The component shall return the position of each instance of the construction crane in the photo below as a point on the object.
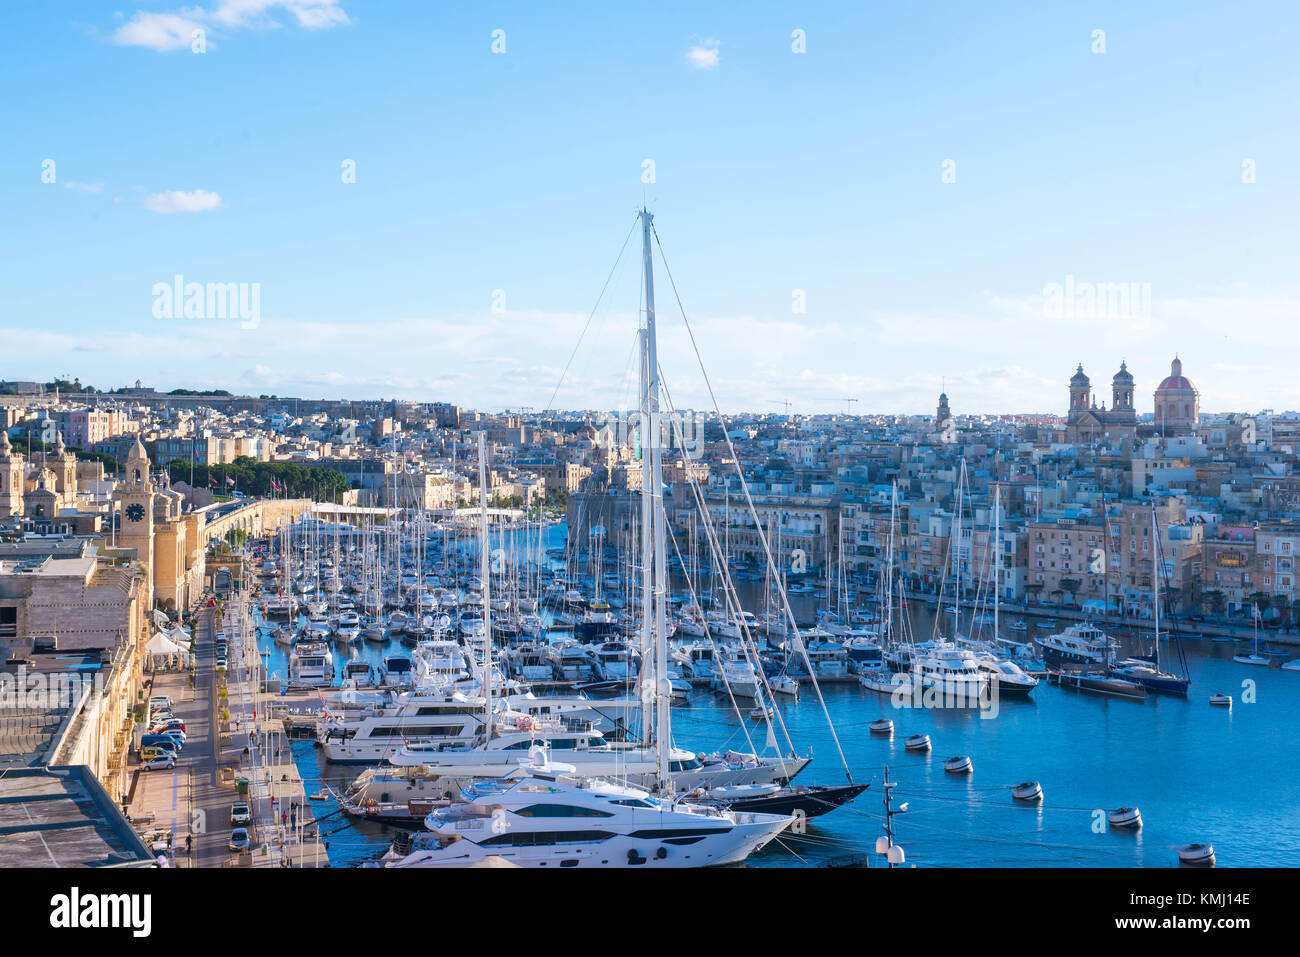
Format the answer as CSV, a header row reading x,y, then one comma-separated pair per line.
x,y
848,402
784,402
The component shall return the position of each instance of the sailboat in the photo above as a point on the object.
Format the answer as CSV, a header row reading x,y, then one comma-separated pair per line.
x,y
1146,671
528,815
650,761
1254,658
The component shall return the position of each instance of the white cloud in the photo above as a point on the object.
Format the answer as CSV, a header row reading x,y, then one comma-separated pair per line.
x,y
181,201
999,357
704,55
163,32
310,14
167,32
84,187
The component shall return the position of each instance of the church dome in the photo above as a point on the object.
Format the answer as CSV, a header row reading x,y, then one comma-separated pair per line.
x,y
1123,376
1175,381
1079,378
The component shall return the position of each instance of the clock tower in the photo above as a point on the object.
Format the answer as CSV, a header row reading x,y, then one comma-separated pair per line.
x,y
135,497
11,479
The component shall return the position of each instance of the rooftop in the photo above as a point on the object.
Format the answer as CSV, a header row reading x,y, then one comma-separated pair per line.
x,y
62,817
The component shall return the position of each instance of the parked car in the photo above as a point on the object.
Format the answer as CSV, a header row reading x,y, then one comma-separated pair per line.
x,y
149,752
166,725
239,839
221,662
160,700
240,814
164,762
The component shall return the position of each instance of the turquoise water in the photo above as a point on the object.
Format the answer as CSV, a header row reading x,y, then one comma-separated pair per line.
x,y
1198,773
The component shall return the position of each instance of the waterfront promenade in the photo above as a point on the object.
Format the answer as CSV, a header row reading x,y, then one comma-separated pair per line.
x,y
256,748
1180,623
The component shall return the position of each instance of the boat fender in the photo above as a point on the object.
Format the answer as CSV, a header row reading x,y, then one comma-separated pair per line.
x,y
661,853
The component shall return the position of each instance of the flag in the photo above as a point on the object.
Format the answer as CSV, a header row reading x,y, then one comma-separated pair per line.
x,y
229,481
212,480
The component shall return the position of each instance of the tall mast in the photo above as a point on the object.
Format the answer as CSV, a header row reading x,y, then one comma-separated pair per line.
x,y
485,574
997,556
1157,560
654,541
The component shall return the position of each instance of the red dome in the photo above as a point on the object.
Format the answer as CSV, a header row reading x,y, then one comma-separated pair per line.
x,y
1181,383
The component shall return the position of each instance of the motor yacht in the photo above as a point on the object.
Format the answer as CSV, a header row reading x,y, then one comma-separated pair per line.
x,y
543,815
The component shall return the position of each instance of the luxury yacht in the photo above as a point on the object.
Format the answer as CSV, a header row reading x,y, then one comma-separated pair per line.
x,y
951,671
1080,644
539,816
737,674
311,663
1005,675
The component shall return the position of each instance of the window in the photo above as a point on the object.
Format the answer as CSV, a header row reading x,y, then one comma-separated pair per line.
x,y
561,810
544,838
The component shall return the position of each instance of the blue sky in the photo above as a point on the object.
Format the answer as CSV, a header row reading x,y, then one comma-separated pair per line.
x,y
517,174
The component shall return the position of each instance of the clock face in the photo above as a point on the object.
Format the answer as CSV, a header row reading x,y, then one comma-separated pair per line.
x,y
135,512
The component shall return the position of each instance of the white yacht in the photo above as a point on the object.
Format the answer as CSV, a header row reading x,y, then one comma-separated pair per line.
x,y
373,735
736,674
282,606
952,672
580,745
311,663
697,660
539,816
1005,675
1082,643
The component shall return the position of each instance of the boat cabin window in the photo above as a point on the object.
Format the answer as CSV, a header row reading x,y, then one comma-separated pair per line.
x,y
417,730
561,810
541,838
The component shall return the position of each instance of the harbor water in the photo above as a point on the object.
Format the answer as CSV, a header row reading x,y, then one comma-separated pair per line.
x,y
1199,774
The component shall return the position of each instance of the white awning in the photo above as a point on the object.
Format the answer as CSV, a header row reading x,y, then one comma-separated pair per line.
x,y
162,645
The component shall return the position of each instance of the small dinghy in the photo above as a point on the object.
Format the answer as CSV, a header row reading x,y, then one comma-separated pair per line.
x,y
958,765
881,726
1027,791
1124,817
1292,665
917,742
318,796
1222,700
1201,855
759,712
1251,660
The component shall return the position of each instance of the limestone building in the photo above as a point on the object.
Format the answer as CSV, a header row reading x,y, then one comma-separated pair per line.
x,y
1086,424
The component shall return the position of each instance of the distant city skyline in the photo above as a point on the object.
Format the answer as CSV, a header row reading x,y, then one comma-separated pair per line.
x,y
872,204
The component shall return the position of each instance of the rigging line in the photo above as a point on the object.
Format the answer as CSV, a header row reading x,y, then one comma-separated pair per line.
x,y
592,314
728,588
767,551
